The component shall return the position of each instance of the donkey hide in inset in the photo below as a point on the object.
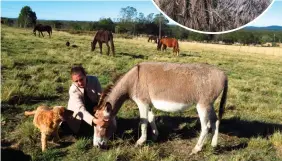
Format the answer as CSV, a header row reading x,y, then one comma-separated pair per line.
x,y
168,87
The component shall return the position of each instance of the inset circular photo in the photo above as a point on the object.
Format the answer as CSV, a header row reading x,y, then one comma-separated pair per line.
x,y
213,16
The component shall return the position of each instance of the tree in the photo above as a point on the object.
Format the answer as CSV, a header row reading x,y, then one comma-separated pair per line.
x,y
57,24
128,17
27,18
159,18
265,39
161,21
106,24
128,14
141,18
150,17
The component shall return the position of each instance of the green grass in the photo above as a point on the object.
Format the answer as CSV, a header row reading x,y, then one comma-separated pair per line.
x,y
35,71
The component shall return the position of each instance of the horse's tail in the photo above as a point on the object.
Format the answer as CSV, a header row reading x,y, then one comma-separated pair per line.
x,y
112,43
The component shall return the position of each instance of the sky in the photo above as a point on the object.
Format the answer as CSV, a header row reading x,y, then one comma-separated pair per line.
x,y
94,10
272,16
76,10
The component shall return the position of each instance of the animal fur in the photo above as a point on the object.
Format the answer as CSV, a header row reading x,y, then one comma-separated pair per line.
x,y
169,87
213,15
48,120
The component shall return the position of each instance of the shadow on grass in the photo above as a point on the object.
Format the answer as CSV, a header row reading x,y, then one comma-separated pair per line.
x,y
248,129
189,127
64,144
50,154
9,154
220,150
168,128
132,55
189,55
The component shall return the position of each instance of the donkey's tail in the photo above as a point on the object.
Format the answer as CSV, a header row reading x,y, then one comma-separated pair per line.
x,y
112,44
29,113
223,100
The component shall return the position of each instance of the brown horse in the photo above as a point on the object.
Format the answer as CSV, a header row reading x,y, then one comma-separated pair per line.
x,y
168,42
103,36
40,28
152,37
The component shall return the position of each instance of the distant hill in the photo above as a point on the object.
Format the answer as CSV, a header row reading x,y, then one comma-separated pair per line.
x,y
268,28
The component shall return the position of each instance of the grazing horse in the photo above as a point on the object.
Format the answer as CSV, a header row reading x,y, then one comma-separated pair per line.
x,y
103,36
40,28
168,42
153,38
169,87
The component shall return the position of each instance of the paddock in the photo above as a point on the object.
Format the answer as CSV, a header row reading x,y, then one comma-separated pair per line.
x,y
36,71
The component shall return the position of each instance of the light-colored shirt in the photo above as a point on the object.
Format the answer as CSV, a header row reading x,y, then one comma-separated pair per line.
x,y
76,101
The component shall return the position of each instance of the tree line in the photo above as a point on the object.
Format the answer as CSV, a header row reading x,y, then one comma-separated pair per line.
x,y
136,23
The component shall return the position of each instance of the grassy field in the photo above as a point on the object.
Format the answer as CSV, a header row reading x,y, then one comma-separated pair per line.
x,y
35,71
274,51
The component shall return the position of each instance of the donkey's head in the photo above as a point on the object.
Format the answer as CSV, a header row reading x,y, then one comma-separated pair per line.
x,y
105,127
105,122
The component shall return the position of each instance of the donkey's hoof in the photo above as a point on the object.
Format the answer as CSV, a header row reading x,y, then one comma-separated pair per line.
x,y
195,151
140,142
214,144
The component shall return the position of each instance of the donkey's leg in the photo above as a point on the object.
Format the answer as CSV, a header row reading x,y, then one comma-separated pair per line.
x,y
143,110
151,119
100,46
204,118
108,52
214,126
42,34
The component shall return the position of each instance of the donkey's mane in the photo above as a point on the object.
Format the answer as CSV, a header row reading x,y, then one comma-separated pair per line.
x,y
104,94
109,88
